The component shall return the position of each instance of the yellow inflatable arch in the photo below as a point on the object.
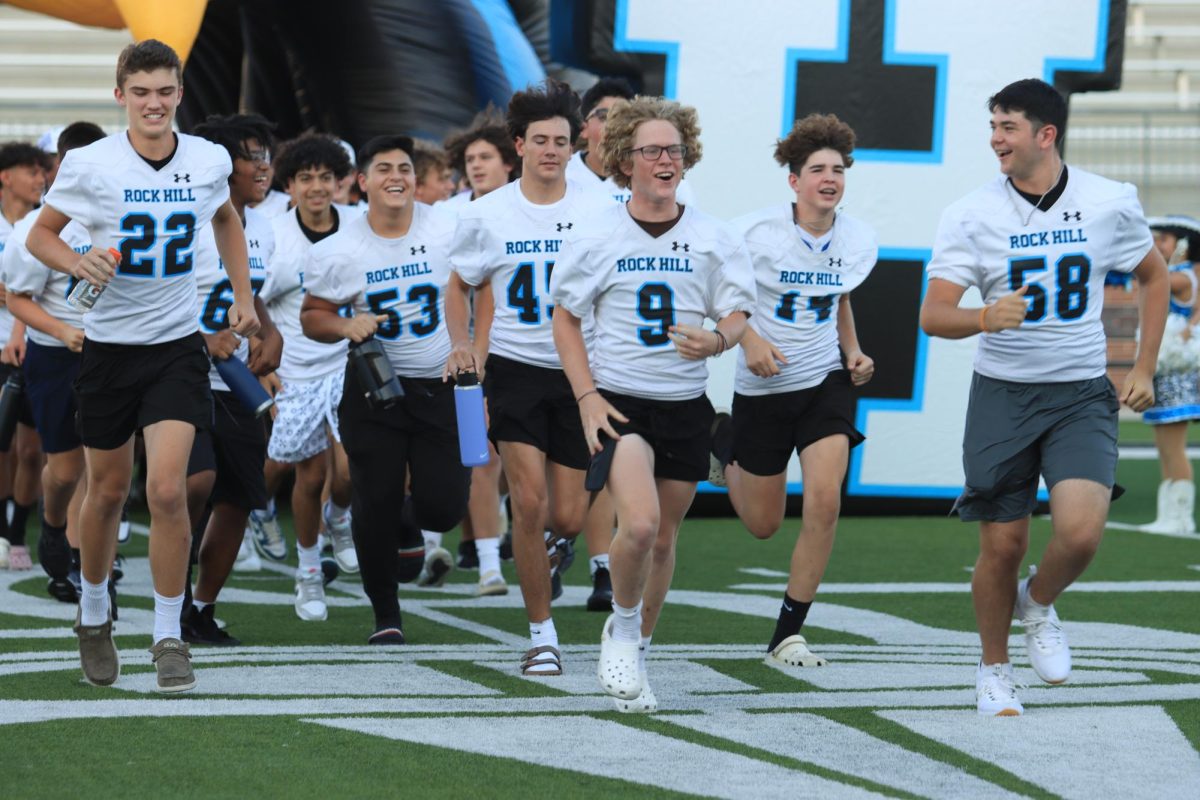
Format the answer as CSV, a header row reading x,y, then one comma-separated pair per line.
x,y
175,22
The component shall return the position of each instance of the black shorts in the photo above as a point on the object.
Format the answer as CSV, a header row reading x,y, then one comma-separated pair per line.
x,y
25,415
768,427
678,431
534,405
123,388
236,447
49,375
1016,431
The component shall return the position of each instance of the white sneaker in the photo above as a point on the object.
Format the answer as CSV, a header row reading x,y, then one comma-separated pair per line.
x,y
5,546
268,537
617,669
438,563
1049,653
646,702
491,583
247,557
310,596
123,529
343,541
996,691
793,651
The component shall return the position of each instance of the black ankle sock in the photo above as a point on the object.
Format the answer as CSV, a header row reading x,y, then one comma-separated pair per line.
x,y
16,528
791,620
75,562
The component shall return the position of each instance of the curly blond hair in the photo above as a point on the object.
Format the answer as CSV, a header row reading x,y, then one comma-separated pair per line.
x,y
623,120
815,132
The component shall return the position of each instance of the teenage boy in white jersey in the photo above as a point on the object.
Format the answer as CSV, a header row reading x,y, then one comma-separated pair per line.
x,y
22,184
587,166
37,296
145,192
484,155
652,271
391,266
1036,242
305,429
793,392
225,469
509,241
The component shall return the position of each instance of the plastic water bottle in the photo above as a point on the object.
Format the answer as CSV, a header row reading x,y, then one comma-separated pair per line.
x,y
10,407
472,427
244,385
84,295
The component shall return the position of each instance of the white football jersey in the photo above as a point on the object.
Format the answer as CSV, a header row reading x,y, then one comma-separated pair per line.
x,y
49,288
455,201
504,238
304,359
6,318
639,286
404,278
275,204
214,290
995,240
582,174
153,217
799,293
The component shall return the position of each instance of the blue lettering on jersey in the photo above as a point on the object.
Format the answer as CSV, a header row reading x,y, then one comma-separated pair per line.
x,y
802,278
524,246
394,273
654,264
1046,238
159,196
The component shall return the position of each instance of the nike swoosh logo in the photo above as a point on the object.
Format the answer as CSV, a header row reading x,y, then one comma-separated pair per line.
x,y
787,607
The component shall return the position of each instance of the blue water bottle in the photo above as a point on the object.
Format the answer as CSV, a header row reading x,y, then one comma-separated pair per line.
x,y
244,385
472,427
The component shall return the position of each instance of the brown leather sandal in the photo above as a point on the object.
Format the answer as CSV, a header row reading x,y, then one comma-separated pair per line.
x,y
538,656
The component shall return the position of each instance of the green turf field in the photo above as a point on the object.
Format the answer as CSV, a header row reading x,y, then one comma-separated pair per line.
x,y
308,710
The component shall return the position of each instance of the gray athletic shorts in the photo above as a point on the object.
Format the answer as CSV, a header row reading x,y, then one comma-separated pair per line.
x,y
1016,431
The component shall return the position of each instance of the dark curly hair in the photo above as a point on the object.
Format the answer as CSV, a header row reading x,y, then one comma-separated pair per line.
x,y
311,151
488,125
815,132
546,100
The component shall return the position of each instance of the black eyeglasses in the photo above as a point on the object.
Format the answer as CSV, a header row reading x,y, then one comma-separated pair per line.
x,y
651,152
599,113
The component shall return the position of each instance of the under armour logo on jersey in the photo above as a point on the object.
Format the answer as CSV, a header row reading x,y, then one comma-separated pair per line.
x,y
564,226
184,178
1072,215
677,246
416,250
253,244
835,262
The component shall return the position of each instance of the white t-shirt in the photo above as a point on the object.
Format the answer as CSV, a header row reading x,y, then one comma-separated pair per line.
x,y
581,173
153,217
404,278
800,284
995,240
214,290
49,288
304,359
504,238
639,286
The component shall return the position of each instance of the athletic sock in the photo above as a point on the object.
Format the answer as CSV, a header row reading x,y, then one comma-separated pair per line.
x,y
791,619
597,562
310,557
489,554
199,605
722,442
75,562
334,512
166,616
543,634
627,623
94,604
433,540
16,528
1034,609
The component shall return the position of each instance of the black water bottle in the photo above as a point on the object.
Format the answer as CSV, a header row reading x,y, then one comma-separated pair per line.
x,y
375,375
11,396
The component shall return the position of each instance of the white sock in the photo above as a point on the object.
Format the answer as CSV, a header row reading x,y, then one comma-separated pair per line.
x,y
310,557
627,623
166,617
543,633
433,540
333,511
643,646
199,605
596,562
94,605
489,554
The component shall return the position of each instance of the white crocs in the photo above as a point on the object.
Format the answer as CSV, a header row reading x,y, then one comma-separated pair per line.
x,y
793,651
646,702
617,669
